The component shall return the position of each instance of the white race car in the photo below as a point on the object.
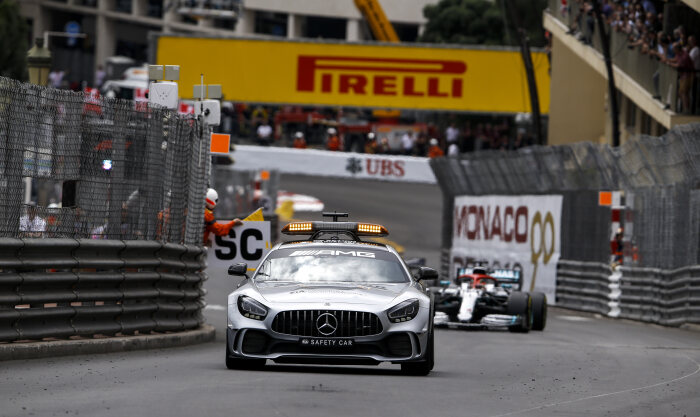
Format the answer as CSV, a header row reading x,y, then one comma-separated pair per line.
x,y
479,299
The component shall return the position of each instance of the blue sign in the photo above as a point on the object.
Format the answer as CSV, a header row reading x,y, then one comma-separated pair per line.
x,y
72,27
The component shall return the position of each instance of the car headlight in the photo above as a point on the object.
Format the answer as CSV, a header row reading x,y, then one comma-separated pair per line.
x,y
251,308
404,311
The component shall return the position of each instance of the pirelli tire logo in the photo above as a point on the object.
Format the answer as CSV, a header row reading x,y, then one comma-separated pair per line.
x,y
381,76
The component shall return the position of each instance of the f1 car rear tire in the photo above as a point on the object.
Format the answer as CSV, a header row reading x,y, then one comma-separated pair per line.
x,y
243,364
520,304
539,311
424,367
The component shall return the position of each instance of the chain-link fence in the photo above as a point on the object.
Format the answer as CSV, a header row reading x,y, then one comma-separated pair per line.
x,y
98,168
660,177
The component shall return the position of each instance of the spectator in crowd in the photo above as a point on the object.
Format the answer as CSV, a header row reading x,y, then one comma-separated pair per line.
x,y
333,141
383,147
435,151
264,133
299,141
451,134
100,75
371,143
31,225
694,52
685,68
453,150
407,142
56,78
421,148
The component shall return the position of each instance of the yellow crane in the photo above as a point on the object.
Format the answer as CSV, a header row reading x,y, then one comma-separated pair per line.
x,y
374,15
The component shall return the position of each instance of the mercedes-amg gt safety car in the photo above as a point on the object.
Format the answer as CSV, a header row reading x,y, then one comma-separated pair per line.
x,y
331,299
482,299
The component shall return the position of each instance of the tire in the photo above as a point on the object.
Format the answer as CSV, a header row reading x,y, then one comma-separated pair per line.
x,y
539,311
243,364
422,368
520,304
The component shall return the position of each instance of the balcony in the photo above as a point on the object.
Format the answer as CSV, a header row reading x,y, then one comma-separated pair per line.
x,y
219,9
660,81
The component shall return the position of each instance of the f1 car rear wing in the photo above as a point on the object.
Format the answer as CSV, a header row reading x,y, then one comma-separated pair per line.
x,y
507,278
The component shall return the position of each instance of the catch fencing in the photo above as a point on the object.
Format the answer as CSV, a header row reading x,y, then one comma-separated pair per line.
x,y
658,180
112,243
100,168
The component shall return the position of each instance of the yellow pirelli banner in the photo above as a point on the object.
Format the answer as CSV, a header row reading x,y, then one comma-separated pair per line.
x,y
377,76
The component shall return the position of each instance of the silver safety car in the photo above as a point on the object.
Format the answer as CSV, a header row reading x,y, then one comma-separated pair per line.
x,y
331,299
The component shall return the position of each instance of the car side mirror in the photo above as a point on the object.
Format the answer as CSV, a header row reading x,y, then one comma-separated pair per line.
x,y
238,269
426,273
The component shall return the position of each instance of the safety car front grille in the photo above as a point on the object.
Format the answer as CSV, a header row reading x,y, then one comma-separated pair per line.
x,y
305,323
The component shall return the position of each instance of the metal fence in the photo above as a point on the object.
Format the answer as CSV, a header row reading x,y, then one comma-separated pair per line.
x,y
61,288
99,168
658,175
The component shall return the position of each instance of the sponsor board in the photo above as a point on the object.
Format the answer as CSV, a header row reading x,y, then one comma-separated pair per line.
x,y
363,75
334,164
512,232
247,243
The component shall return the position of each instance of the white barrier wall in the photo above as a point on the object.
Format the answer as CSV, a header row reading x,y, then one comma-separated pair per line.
x,y
508,232
334,164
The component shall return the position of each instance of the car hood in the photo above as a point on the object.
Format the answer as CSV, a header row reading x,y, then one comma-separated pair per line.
x,y
366,293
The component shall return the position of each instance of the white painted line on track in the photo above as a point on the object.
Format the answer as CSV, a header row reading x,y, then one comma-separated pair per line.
x,y
215,307
574,318
540,407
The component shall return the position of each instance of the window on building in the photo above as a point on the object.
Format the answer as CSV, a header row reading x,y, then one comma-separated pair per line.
x,y
406,32
269,23
123,6
324,27
229,24
155,8
87,3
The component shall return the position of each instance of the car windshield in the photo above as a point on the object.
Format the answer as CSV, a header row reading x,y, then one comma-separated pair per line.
x,y
331,265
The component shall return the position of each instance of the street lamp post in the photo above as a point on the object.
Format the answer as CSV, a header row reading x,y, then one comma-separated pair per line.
x,y
39,63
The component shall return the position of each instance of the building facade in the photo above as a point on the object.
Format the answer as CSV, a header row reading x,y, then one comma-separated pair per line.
x,y
121,27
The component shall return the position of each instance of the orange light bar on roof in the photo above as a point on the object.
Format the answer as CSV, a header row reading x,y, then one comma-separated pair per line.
x,y
304,227
371,229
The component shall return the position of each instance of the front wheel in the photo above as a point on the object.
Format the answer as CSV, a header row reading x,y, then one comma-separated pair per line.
x,y
423,367
539,311
520,304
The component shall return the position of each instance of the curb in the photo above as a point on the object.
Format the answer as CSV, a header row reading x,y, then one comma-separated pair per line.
x,y
34,350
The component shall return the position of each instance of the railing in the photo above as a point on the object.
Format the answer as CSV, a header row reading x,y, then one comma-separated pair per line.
x,y
585,286
59,288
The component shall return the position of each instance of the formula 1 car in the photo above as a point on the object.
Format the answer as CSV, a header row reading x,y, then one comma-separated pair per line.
x,y
482,299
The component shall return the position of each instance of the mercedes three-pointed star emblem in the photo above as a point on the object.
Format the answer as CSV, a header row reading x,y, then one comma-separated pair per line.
x,y
326,324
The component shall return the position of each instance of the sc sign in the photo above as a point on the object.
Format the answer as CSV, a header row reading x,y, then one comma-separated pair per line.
x,y
247,243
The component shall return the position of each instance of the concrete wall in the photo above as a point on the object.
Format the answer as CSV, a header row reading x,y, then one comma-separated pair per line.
x,y
578,97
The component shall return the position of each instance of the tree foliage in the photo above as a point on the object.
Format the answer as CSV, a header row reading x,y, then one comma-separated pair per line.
x,y
482,22
13,41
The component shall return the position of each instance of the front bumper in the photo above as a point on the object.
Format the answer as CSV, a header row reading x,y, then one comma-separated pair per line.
x,y
392,346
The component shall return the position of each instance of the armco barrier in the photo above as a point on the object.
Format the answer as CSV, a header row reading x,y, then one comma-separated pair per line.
x,y
587,286
57,288
670,298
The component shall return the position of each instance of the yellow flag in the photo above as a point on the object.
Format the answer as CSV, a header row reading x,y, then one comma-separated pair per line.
x,y
255,216
285,211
